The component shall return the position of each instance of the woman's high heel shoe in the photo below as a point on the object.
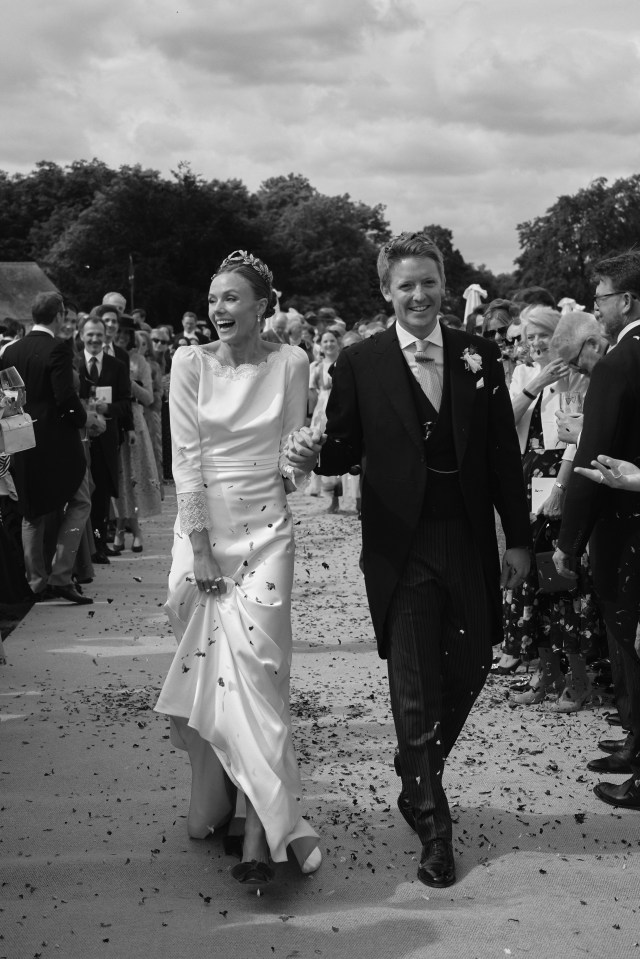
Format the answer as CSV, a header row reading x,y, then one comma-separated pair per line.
x,y
118,542
253,873
136,546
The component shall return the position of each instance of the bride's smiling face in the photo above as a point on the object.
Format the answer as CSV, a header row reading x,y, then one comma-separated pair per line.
x,y
234,308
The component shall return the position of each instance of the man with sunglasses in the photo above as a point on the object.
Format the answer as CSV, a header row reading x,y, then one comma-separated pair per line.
x,y
606,518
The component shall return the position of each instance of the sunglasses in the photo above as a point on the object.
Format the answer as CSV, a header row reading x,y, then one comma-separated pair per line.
x,y
491,334
156,340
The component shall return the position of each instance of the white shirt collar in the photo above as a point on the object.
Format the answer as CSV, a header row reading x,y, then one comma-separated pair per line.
x,y
405,338
40,328
627,328
89,356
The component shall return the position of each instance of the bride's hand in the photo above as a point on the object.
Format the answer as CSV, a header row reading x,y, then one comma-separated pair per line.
x,y
303,447
206,572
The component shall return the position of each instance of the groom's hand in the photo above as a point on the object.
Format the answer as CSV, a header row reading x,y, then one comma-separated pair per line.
x,y
516,563
303,448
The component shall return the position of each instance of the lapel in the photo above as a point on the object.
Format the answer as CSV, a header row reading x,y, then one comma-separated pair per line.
x,y
462,387
391,370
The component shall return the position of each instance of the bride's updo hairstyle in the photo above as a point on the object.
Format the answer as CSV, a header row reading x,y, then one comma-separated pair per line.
x,y
256,273
404,245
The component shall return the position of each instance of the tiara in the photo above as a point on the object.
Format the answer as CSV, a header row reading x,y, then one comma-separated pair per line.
x,y
248,259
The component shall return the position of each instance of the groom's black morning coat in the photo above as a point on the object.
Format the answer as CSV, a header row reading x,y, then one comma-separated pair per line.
x,y
372,412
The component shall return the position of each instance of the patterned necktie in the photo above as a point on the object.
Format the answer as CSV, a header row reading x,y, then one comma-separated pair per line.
x,y
93,369
427,374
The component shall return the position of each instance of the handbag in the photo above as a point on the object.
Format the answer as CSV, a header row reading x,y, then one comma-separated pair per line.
x,y
549,579
16,433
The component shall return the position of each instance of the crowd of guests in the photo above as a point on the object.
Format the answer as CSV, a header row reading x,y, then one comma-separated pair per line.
x,y
97,387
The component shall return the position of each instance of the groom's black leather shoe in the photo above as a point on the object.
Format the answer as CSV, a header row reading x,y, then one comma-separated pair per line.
x,y
405,807
404,803
612,745
437,867
617,763
625,796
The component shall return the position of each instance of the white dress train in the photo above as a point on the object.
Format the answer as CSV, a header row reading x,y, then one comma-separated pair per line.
x,y
230,675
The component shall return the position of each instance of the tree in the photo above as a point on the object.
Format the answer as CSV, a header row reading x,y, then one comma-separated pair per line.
x,y
458,273
327,248
560,248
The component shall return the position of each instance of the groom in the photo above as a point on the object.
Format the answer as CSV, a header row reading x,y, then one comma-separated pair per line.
x,y
428,407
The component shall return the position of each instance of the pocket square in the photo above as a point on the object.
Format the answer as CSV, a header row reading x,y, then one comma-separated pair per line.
x,y
480,383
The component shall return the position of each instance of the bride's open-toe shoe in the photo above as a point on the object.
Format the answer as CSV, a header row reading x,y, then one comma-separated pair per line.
x,y
307,852
252,873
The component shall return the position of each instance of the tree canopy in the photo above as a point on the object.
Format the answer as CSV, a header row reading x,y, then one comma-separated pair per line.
x,y
560,248
83,222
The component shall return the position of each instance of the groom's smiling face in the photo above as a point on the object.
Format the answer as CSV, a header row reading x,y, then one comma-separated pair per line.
x,y
415,288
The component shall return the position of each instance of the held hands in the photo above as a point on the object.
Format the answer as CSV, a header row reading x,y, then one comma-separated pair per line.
x,y
303,447
516,563
569,426
617,474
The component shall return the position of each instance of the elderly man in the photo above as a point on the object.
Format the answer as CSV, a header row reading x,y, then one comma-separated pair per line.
x,y
606,518
579,340
115,299
52,476
277,332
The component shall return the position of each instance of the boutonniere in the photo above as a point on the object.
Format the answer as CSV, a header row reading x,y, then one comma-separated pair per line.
x,y
472,361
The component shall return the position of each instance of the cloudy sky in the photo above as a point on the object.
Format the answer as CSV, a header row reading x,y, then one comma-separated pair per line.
x,y
475,115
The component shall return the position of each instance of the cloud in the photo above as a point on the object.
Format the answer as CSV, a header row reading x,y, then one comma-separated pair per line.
x,y
475,114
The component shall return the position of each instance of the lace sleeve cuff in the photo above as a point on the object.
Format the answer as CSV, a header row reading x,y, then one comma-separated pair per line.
x,y
193,512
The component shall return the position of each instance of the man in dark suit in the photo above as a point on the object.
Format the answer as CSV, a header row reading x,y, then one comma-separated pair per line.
x,y
53,475
609,519
99,370
110,317
429,408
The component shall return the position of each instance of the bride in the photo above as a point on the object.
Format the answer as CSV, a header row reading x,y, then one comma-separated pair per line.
x,y
233,404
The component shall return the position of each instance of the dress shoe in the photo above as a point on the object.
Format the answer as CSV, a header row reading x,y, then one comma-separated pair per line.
x,y
110,551
626,795
136,546
100,559
613,745
500,670
72,594
44,596
405,807
613,719
437,867
253,873
617,763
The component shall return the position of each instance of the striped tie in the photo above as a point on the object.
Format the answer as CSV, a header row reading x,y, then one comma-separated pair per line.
x,y
427,374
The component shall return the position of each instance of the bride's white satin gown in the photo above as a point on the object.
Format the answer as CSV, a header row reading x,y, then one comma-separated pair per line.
x,y
230,676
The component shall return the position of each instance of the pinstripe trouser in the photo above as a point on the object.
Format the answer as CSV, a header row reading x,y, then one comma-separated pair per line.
x,y
438,637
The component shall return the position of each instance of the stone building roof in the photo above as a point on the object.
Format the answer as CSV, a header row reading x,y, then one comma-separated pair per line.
x,y
19,285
